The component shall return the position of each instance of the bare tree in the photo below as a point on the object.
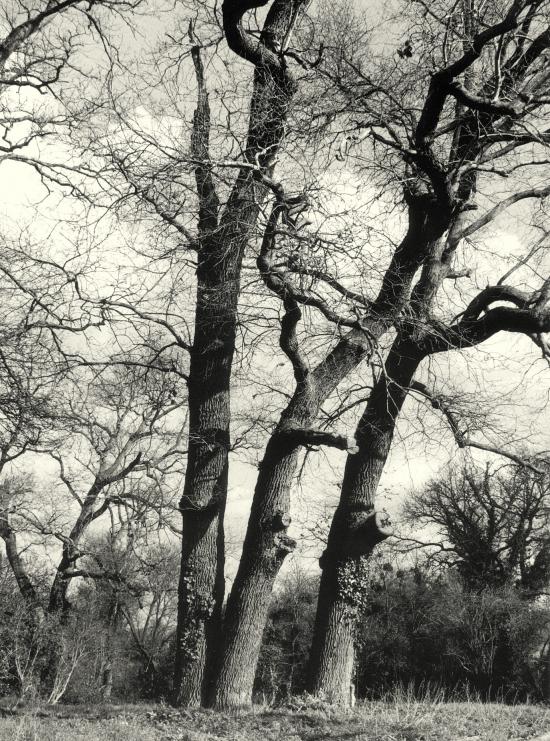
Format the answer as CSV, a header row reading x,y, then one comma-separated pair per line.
x,y
135,600
491,528
486,90
123,421
115,448
490,525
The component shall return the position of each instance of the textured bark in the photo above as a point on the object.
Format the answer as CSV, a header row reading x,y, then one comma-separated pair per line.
x,y
220,254
205,491
264,551
342,589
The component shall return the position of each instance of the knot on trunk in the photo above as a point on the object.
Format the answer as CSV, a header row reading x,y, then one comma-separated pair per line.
x,y
284,545
280,521
363,530
360,530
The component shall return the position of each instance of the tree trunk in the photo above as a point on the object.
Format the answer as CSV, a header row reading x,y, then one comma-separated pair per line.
x,y
202,506
545,676
355,531
221,250
332,657
265,547
58,603
26,587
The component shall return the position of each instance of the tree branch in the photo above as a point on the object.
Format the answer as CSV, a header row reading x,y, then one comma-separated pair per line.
x,y
200,147
483,105
500,207
242,43
463,441
313,436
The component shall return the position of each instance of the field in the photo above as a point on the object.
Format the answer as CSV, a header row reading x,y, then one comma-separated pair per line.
x,y
399,720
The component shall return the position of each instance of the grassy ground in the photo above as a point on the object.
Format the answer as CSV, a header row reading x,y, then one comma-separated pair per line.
x,y
400,720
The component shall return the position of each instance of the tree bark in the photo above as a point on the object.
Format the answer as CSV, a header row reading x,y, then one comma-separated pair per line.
x,y
353,534
205,491
220,255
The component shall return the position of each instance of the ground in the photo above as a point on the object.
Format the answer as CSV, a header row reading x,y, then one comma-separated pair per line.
x,y
399,720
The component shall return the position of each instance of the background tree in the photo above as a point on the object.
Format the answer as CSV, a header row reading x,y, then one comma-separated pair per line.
x,y
114,449
491,525
281,672
135,604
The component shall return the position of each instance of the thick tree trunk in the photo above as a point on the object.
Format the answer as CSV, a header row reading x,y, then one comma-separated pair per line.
x,y
221,250
355,532
265,548
332,659
203,503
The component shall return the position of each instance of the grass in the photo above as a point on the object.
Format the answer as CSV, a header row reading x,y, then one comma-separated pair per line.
x,y
401,719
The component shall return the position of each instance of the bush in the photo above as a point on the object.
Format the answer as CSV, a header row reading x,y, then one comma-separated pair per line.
x,y
423,629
